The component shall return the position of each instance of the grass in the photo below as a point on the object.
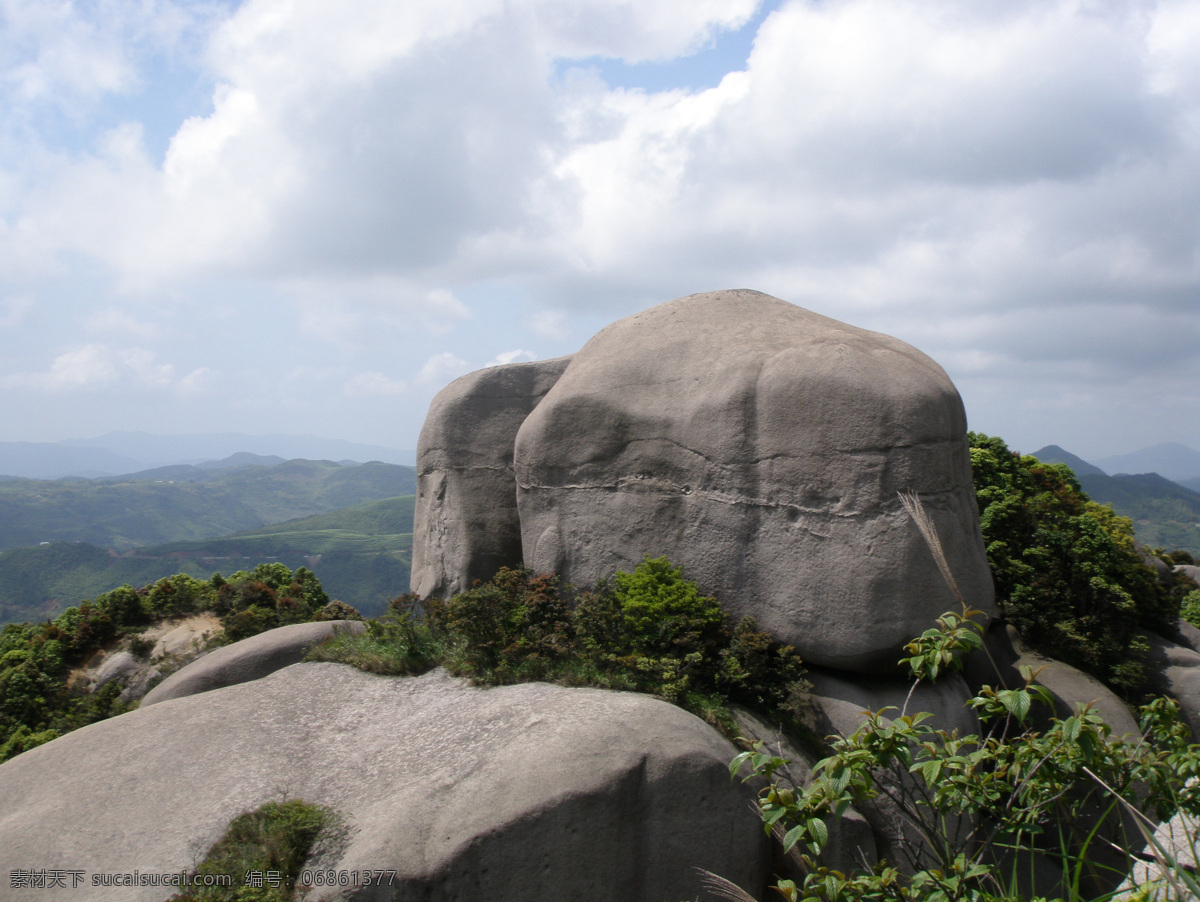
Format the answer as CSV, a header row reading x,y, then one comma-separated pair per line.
x,y
261,854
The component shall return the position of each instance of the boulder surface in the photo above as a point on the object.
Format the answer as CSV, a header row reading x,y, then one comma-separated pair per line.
x,y
465,522
249,659
762,448
515,793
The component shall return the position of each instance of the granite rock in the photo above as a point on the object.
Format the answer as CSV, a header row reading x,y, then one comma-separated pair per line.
x,y
465,524
249,659
762,448
513,793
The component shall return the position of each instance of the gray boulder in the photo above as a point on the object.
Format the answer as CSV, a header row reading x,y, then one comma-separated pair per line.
x,y
465,524
999,665
514,793
762,448
1174,670
118,666
249,659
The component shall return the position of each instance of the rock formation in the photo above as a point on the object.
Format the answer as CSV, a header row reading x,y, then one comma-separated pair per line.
x,y
466,491
249,659
759,446
514,793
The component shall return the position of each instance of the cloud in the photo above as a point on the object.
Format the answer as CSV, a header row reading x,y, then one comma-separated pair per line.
x,y
506,357
441,368
1012,187
97,368
89,368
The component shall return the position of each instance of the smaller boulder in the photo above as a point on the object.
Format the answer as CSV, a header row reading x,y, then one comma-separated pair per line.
x,y
839,706
1174,670
851,840
999,664
119,666
249,659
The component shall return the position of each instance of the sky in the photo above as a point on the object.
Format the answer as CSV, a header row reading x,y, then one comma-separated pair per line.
x,y
293,216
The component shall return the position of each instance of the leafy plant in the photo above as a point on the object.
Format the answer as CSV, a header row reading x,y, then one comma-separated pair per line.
x,y
36,702
1067,572
979,809
262,851
647,631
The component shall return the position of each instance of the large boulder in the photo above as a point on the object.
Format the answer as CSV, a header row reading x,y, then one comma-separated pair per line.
x,y
514,793
465,524
762,448
249,659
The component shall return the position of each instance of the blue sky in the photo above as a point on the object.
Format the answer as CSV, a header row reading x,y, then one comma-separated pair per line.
x,y
282,216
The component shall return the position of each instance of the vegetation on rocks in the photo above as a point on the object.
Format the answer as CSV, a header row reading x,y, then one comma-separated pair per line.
x,y
1067,573
646,631
37,703
981,811
261,854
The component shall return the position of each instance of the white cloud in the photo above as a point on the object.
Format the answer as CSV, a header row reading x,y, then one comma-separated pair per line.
x,y
441,368
89,368
94,368
506,357
987,180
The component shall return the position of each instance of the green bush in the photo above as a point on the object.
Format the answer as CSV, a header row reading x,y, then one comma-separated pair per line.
x,y
1066,793
36,704
1066,570
262,851
647,631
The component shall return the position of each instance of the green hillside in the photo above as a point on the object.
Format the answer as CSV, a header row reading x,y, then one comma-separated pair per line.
x,y
131,512
1165,514
361,554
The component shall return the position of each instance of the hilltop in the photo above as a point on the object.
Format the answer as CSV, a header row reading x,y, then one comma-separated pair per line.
x,y
1165,513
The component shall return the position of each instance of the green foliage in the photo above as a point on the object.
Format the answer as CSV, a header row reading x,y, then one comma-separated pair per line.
x,y
1066,570
648,631
396,644
273,840
267,597
36,703
1061,792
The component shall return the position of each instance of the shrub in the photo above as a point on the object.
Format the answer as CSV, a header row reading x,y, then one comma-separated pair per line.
x,y
1061,793
273,840
1067,572
648,631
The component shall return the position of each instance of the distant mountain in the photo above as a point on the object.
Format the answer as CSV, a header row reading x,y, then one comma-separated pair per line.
x,y
174,504
1052,454
1174,461
361,554
50,460
120,453
1165,513
166,449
